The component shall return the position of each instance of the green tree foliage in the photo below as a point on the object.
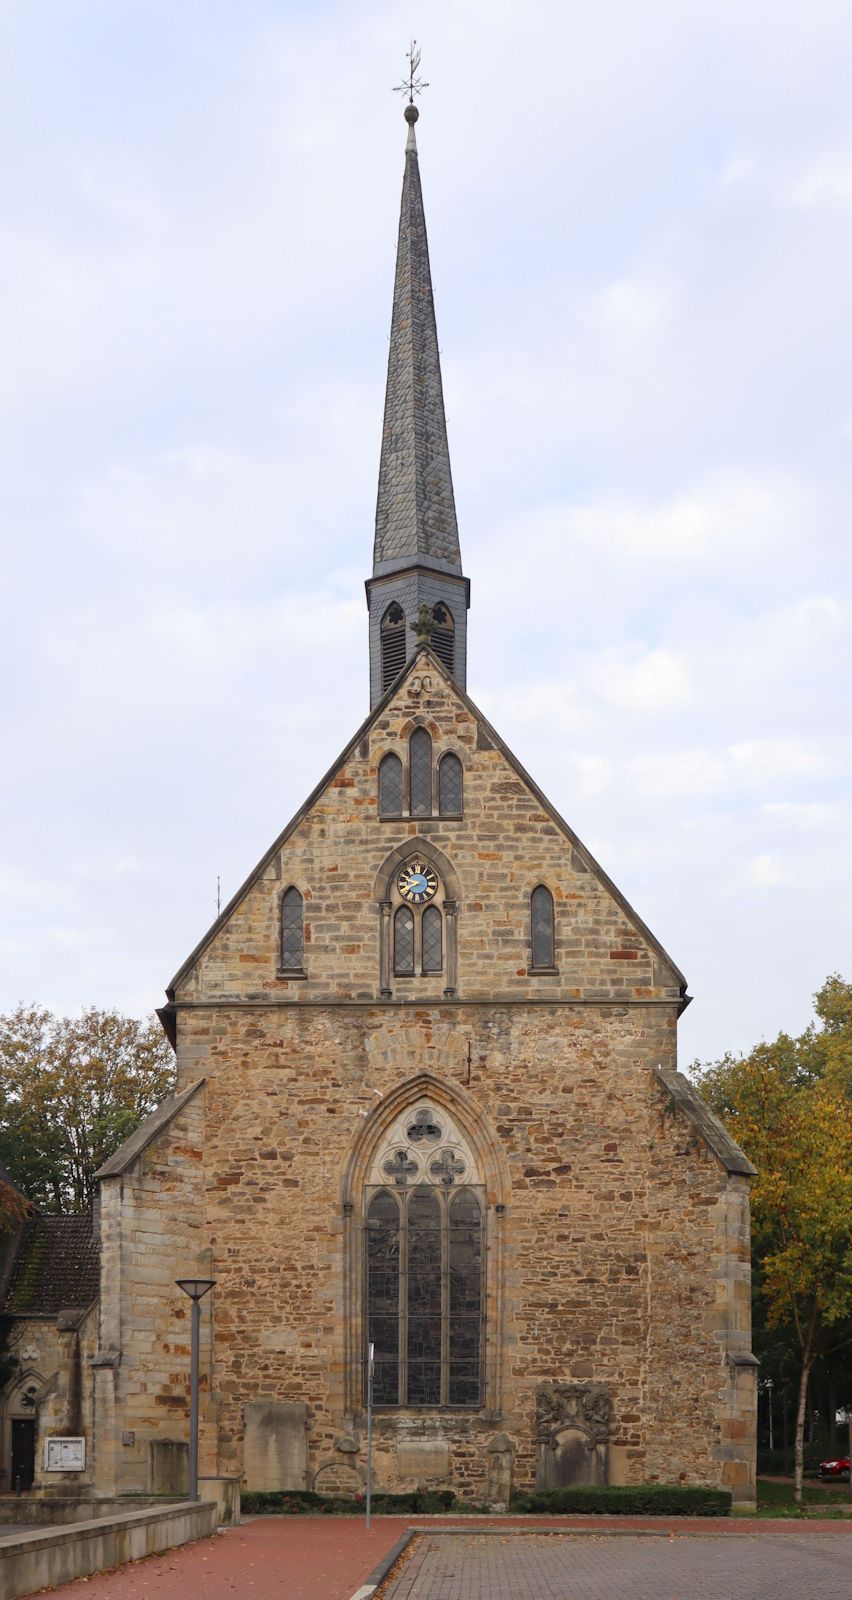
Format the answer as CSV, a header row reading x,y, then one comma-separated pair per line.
x,y
71,1089
789,1104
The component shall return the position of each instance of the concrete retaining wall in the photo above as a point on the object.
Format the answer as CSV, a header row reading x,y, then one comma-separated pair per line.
x,y
45,1558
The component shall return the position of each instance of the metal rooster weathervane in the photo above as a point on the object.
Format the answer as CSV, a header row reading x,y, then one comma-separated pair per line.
x,y
411,85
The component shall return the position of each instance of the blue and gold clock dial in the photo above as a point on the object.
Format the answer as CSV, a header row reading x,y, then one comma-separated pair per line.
x,y
417,883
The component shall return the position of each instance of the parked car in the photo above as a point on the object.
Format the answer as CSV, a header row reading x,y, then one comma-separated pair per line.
x,y
835,1469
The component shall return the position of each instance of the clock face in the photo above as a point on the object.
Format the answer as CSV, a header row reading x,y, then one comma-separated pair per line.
x,y
417,883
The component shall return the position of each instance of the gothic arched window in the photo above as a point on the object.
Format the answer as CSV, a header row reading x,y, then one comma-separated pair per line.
x,y
392,634
390,786
292,931
403,942
425,1265
442,637
450,785
420,773
541,927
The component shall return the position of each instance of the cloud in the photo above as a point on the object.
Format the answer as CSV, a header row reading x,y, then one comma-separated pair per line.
x,y
654,684
767,872
824,180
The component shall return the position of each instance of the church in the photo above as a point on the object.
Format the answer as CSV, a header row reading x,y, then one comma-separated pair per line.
x,y
427,1103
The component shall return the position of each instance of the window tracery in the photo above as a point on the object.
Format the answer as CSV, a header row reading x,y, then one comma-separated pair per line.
x,y
424,1264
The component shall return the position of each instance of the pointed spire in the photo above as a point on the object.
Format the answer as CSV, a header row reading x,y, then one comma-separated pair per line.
x,y
415,511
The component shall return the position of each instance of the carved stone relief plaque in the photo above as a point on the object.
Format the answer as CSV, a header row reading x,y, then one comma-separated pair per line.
x,y
572,1429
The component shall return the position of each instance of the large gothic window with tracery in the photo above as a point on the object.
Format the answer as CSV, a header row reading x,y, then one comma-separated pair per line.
x,y
424,1265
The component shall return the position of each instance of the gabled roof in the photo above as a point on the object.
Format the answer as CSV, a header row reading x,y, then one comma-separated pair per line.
x,y
141,1137
713,1132
57,1267
493,739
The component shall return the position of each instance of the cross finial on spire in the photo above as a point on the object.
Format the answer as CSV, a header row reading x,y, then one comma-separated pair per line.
x,y
411,85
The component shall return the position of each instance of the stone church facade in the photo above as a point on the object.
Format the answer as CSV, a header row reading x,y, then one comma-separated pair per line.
x,y
427,1100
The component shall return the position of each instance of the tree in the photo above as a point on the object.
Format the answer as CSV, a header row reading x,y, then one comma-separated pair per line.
x,y
71,1089
789,1104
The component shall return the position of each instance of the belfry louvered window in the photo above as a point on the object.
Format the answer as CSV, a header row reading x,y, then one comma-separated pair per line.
x,y
390,786
420,772
450,786
542,933
292,931
393,644
424,1290
403,942
443,638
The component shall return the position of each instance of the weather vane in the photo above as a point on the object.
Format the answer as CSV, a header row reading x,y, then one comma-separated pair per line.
x,y
411,85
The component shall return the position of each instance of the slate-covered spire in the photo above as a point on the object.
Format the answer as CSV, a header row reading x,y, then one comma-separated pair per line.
x,y
416,555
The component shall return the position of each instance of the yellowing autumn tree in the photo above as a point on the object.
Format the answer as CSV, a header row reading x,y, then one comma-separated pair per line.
x,y
789,1104
71,1089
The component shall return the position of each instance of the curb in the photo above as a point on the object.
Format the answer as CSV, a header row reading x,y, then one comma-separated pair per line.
x,y
380,1572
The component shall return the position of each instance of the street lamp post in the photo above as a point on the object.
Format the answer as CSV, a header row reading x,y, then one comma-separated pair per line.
x,y
371,1364
769,1387
196,1288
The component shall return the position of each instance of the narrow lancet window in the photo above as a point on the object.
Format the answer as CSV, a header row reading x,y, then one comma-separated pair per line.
x,y
420,773
292,931
442,638
383,1295
424,1299
541,918
431,934
403,942
390,787
465,1299
450,786
393,644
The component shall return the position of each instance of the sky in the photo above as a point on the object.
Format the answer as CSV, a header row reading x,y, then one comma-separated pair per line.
x,y
640,224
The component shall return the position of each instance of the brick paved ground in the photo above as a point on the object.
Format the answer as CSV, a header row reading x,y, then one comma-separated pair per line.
x,y
319,1558
789,1566
273,1558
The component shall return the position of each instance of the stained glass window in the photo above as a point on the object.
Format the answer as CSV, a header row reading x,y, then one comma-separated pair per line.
x,y
431,1310
465,1299
541,916
390,787
292,931
420,762
383,1295
393,644
450,786
430,933
403,941
423,1343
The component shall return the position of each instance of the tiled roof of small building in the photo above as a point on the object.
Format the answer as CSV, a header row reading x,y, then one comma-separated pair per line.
x,y
58,1267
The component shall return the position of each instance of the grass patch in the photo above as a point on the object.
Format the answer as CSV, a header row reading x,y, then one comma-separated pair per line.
x,y
818,1499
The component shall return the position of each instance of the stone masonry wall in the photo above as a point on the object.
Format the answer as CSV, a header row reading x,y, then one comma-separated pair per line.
x,y
611,1249
610,1252
503,846
152,1232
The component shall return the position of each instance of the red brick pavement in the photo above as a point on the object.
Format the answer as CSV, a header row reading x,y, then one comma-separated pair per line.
x,y
319,1558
